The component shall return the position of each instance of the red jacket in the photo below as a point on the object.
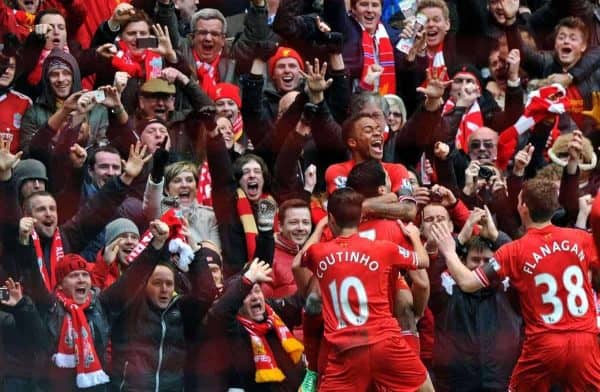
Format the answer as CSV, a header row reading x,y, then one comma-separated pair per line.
x,y
283,284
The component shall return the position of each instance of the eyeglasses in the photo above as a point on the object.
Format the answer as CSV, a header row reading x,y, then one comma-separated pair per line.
x,y
204,33
158,97
476,144
435,218
395,114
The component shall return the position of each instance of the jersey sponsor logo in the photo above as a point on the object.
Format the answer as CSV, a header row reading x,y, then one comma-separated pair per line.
x,y
340,181
549,249
17,117
346,257
404,252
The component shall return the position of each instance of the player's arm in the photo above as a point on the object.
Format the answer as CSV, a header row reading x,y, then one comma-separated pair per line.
x,y
414,235
468,281
420,290
384,206
302,275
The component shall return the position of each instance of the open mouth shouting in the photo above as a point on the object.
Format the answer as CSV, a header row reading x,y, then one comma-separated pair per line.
x,y
253,189
376,149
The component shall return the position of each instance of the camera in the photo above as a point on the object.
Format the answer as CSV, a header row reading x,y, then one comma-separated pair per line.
x,y
485,173
435,197
4,294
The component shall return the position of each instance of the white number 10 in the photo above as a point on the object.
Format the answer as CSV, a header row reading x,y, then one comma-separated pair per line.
x,y
341,306
576,294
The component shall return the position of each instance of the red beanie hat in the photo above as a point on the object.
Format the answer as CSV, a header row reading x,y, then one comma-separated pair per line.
x,y
227,90
282,53
71,262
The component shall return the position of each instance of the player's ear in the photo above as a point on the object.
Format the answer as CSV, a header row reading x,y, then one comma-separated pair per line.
x,y
351,142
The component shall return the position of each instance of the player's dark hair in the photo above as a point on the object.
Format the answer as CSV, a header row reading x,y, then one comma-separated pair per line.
x,y
541,198
291,203
345,205
349,125
366,177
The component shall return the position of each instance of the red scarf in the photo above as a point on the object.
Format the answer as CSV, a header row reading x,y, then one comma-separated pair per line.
x,y
547,101
387,80
246,214
126,61
437,64
56,255
264,360
76,344
207,73
24,18
238,128
204,190
471,121
35,76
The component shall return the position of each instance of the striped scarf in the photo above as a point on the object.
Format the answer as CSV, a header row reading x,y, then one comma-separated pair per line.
x,y
264,360
207,73
471,121
148,64
385,58
56,254
246,215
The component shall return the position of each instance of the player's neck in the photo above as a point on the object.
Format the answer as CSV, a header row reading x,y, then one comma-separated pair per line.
x,y
537,225
346,232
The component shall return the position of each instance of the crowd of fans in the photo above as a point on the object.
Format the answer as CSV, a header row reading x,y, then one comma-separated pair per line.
x,y
166,168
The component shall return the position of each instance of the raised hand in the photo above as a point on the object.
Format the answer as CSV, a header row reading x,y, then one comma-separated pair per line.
x,y
165,48
77,155
488,226
514,62
7,160
575,147
442,236
71,103
160,233
441,150
447,197
522,159
120,81
107,51
436,84
172,75
258,272
112,96
121,14
410,230
467,230
86,102
15,292
471,174
315,77
135,162
112,250
26,227
310,178
373,74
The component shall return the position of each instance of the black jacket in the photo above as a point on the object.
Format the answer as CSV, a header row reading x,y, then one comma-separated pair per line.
x,y
148,343
477,335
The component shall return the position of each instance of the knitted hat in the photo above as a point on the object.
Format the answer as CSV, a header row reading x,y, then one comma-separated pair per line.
x,y
227,90
283,53
71,262
58,64
469,69
29,169
117,227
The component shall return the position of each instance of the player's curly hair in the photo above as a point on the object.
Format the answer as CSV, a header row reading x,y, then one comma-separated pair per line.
x,y
541,198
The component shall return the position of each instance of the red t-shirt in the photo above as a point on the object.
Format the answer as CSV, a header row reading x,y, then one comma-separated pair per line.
x,y
549,269
12,107
353,272
337,174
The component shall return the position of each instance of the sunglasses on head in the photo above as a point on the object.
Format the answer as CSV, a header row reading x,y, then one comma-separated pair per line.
x,y
476,144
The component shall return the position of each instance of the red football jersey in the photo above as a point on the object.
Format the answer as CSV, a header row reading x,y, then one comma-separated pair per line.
x,y
12,107
353,272
549,269
337,174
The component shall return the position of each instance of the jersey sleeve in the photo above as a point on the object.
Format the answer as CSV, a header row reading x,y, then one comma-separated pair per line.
x,y
403,257
334,178
307,259
494,271
591,252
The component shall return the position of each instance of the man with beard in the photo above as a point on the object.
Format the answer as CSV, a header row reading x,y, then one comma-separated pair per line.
x,y
121,236
39,227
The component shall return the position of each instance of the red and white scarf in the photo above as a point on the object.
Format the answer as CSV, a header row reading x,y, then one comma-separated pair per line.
x,y
76,344
470,121
385,57
547,101
437,64
35,76
207,73
147,65
204,190
56,254
246,215
177,242
264,360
